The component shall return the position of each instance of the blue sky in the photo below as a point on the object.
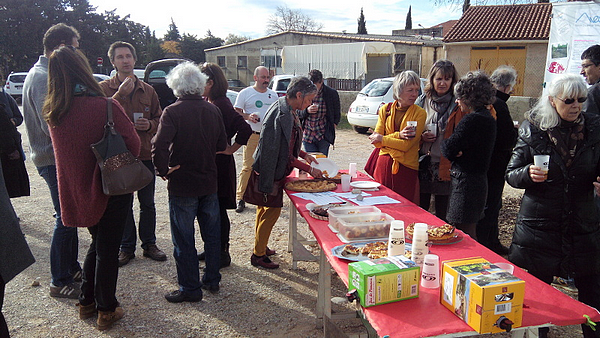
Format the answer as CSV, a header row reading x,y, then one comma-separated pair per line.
x,y
250,17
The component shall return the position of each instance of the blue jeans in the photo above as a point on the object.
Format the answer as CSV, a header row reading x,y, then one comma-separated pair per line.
x,y
64,246
101,265
318,147
183,211
147,226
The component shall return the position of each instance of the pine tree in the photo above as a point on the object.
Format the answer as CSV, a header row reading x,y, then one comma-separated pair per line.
x,y
408,19
362,24
173,32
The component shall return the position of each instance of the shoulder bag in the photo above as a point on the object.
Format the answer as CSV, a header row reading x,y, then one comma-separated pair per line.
x,y
121,172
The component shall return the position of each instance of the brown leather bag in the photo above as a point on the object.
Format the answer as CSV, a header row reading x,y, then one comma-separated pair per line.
x,y
254,196
121,172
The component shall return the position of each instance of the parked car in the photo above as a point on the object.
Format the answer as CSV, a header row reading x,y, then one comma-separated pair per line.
x,y
138,72
155,74
362,113
14,85
279,83
101,77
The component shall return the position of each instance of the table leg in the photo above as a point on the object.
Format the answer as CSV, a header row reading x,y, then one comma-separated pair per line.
x,y
324,291
292,227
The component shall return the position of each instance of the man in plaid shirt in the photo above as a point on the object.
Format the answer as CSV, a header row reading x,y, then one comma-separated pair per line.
x,y
321,118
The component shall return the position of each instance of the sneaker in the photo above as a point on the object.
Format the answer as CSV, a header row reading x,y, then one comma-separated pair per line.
x,y
178,296
155,253
125,257
263,261
241,205
566,284
71,291
78,276
107,318
87,311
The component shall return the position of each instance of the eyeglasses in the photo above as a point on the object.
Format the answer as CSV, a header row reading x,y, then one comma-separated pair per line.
x,y
571,101
587,65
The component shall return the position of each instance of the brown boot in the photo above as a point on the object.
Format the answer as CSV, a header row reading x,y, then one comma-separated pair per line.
x,y
107,318
87,311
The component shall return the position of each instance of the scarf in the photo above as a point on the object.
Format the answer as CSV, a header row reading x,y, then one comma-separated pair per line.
x,y
440,104
567,137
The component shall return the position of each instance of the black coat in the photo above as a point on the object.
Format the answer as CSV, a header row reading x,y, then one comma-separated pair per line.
x,y
506,137
473,136
332,102
557,231
11,156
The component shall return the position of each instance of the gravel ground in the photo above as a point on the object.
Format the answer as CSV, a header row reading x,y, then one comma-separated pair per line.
x,y
252,302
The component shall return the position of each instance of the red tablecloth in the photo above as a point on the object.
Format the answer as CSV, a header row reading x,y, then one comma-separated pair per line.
x,y
425,316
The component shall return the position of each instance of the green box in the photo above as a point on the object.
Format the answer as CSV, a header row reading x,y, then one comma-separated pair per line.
x,y
384,280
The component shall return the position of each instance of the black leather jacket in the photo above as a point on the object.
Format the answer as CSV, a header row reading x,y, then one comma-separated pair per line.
x,y
557,231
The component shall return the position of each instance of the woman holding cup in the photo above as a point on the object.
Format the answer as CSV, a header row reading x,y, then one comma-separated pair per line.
x,y
443,114
557,231
397,135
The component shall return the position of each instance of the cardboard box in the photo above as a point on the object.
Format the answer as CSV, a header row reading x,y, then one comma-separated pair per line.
x,y
384,280
482,294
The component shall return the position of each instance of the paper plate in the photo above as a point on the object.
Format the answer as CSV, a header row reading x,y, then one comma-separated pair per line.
x,y
328,165
337,251
365,184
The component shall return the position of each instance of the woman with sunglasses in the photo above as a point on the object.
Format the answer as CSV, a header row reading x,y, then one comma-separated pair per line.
x,y
557,231
235,125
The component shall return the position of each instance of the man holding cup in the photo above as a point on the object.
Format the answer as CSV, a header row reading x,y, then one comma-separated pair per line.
x,y
321,118
140,102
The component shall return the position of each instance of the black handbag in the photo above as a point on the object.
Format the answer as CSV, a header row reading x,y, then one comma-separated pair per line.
x,y
121,172
254,196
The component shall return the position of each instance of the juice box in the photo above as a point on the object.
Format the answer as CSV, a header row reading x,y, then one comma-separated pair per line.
x,y
486,297
384,280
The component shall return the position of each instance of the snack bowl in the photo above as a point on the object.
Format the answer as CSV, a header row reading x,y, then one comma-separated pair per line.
x,y
334,214
364,226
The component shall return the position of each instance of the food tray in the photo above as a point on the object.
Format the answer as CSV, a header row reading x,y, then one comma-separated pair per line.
x,y
337,251
312,206
315,185
334,215
361,227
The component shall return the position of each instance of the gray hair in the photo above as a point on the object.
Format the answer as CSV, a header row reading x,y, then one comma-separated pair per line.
x,y
406,78
186,79
564,86
475,90
300,84
504,76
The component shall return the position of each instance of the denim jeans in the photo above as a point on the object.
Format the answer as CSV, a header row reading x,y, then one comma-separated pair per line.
x,y
101,265
65,244
318,147
147,226
183,211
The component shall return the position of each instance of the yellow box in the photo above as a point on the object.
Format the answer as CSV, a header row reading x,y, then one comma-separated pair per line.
x,y
483,295
384,280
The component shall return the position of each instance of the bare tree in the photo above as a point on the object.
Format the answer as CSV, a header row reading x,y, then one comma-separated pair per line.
x,y
287,19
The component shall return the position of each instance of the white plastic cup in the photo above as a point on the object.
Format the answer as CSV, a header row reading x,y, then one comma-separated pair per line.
x,y
542,161
506,267
412,124
352,170
430,275
137,116
432,128
396,239
419,244
345,182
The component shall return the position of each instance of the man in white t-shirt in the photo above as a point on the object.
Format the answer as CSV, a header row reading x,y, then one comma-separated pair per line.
x,y
252,103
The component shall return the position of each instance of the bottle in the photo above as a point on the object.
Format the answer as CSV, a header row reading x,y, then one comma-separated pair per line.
x,y
396,239
419,245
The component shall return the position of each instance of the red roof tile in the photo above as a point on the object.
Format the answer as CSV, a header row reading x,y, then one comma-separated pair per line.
x,y
446,26
506,22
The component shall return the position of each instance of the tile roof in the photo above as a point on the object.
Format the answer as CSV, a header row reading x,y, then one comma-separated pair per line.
x,y
446,26
505,22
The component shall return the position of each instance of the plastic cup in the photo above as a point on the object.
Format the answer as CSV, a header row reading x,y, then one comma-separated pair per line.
x,y
412,124
542,161
430,276
352,170
432,128
346,182
506,267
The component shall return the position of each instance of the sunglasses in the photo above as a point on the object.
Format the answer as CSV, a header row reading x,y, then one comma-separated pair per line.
x,y
571,101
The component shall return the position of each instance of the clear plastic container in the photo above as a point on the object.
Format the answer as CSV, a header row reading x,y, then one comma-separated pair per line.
x,y
364,226
334,213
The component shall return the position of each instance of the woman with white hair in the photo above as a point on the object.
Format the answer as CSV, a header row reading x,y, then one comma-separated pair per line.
x,y
557,231
397,166
189,135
